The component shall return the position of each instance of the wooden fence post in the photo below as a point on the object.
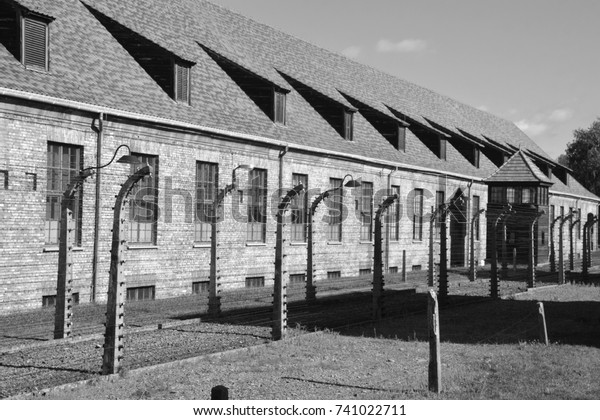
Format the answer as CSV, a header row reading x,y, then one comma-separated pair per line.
x,y
435,361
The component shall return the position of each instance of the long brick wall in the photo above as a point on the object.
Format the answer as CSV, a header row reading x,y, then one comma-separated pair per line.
x,y
28,266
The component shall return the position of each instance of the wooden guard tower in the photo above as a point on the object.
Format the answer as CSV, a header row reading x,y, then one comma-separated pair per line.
x,y
520,183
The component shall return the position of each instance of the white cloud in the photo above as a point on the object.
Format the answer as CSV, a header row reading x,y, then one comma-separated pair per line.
x,y
561,115
532,128
404,46
352,51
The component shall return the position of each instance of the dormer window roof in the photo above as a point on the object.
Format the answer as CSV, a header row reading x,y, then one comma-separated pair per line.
x,y
269,96
389,126
339,115
171,72
25,34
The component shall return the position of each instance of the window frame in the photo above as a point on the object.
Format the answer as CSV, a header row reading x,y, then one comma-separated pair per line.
x,y
365,210
256,228
279,106
475,207
418,217
54,196
178,89
393,215
348,127
207,191
299,210
335,202
36,20
149,182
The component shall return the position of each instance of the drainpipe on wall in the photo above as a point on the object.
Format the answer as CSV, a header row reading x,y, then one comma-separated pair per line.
x,y
468,222
98,204
387,225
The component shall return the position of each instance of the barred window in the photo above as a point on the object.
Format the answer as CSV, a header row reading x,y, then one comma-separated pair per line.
x,y
475,210
418,215
335,202
366,211
143,212
497,195
257,206
393,216
440,198
141,293
206,194
299,208
64,163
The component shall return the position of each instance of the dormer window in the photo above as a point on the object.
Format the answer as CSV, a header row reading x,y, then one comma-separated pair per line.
x,y
401,145
443,148
279,103
34,43
25,35
348,125
182,82
476,156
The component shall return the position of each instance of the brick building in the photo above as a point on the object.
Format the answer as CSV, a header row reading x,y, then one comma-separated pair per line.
x,y
204,96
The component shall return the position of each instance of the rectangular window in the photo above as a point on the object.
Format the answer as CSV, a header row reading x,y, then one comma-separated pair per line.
x,y
418,215
364,272
475,208
579,224
401,138
552,216
440,199
255,282
140,293
393,270
279,101
299,208
498,195
443,148
143,211
4,179
393,216
182,74
207,181
297,278
366,211
200,287
334,275
348,125
526,196
257,206
334,203
64,163
34,45
562,211
476,156
417,268
510,195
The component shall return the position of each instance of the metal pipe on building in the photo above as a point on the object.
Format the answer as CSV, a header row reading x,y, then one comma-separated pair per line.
x,y
97,205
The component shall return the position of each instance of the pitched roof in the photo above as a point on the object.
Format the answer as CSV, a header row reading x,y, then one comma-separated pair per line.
x,y
519,168
89,66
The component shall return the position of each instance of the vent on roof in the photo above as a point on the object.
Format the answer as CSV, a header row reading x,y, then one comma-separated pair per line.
x,y
169,71
471,152
270,99
348,133
182,82
35,44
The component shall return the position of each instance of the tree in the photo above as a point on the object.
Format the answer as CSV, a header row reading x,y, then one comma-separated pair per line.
x,y
583,156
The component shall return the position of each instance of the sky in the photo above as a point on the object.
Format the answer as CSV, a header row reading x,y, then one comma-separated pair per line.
x,y
533,62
